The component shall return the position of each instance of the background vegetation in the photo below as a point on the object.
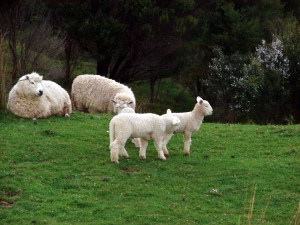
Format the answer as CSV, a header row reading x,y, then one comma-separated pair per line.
x,y
242,56
58,171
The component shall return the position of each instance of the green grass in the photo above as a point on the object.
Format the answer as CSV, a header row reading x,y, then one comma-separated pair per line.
x,y
58,171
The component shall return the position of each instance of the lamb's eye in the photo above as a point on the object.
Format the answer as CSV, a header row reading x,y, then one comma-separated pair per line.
x,y
32,82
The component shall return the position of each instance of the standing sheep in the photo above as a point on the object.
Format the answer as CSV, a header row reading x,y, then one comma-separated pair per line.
x,y
190,122
33,97
144,126
94,93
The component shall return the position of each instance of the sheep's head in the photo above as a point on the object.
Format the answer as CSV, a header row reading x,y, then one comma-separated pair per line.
x,y
121,101
32,84
172,122
127,110
205,107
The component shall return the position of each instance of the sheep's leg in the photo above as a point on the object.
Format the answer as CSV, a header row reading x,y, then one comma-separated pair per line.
x,y
158,143
187,143
166,140
143,147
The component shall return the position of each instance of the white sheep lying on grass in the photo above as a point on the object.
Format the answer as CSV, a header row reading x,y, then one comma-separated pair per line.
x,y
32,97
94,93
144,126
190,122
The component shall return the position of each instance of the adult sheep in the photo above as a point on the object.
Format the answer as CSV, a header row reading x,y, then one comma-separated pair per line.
x,y
190,122
94,93
32,97
144,126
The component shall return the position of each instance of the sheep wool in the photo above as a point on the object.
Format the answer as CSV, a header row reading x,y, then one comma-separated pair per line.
x,y
32,97
94,93
190,122
144,126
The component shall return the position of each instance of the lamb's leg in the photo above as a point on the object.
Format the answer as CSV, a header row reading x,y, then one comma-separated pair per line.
x,y
143,147
166,140
136,142
158,143
187,143
123,152
114,151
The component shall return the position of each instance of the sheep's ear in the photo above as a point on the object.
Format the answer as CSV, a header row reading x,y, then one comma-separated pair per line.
x,y
27,77
169,111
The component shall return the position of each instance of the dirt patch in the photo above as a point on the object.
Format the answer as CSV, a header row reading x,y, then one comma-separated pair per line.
x,y
6,204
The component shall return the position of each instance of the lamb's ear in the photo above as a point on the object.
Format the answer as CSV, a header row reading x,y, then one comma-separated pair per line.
x,y
175,122
130,102
27,77
169,111
199,100
113,101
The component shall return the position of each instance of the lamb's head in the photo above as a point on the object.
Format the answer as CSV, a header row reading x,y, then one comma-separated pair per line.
x,y
123,100
31,85
204,106
172,122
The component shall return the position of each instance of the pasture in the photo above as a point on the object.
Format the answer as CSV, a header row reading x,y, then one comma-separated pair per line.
x,y
58,171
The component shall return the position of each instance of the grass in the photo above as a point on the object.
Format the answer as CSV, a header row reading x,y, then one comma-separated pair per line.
x,y
58,171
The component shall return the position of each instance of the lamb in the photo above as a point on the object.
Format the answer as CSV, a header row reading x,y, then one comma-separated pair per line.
x,y
190,122
94,93
144,126
32,97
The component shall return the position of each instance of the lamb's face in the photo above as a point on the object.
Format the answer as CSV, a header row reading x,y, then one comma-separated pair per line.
x,y
172,123
175,123
206,108
32,85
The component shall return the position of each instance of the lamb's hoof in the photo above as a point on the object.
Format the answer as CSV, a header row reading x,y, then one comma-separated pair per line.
x,y
162,158
67,115
115,161
142,157
186,153
167,155
125,156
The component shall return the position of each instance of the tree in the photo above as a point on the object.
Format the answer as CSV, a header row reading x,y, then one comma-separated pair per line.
x,y
235,26
30,35
130,40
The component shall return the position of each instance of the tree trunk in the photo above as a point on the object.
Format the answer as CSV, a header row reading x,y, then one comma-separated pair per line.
x,y
152,89
103,66
68,52
2,76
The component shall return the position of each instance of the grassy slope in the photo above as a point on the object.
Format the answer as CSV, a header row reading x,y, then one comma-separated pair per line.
x,y
58,171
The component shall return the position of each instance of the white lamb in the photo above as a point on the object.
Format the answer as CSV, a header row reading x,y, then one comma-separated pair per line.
x,y
33,97
144,126
94,93
190,122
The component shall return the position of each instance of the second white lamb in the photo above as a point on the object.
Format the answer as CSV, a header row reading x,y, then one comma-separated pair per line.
x,y
144,126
